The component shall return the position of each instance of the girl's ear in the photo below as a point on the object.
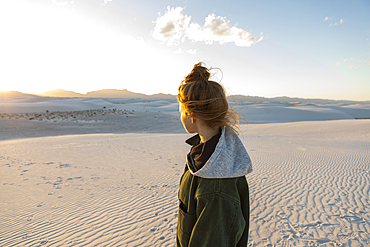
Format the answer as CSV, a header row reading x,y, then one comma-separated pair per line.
x,y
193,119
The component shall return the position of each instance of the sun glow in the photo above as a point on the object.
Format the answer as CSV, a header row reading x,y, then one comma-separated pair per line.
x,y
49,48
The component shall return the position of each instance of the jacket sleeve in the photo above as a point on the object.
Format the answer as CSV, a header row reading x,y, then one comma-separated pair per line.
x,y
219,222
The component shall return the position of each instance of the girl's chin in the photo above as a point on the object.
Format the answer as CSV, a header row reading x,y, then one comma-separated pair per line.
x,y
190,131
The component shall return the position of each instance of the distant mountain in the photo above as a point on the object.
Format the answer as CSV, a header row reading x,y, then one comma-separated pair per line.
x,y
115,93
284,99
239,97
106,93
15,94
61,93
162,96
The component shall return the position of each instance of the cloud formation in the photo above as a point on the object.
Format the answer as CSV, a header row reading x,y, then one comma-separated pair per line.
x,y
336,23
350,64
106,1
174,27
190,51
328,18
171,27
341,21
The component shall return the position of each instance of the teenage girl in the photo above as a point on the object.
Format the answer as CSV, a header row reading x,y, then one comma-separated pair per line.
x,y
213,194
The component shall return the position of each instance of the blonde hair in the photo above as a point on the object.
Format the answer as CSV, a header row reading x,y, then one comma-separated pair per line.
x,y
206,100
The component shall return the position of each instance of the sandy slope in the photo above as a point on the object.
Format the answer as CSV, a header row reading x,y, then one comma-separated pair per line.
x,y
310,187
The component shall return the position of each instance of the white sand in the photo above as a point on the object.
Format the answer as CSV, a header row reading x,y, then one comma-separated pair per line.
x,y
310,185
89,190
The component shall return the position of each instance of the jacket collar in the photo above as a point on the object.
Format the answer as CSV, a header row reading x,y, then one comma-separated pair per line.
x,y
229,159
194,140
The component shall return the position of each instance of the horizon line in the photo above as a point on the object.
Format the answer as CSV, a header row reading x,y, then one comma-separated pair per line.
x,y
44,94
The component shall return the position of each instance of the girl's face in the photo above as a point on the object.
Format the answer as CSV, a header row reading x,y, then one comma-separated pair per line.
x,y
187,121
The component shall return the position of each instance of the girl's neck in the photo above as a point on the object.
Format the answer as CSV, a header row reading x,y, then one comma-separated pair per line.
x,y
207,133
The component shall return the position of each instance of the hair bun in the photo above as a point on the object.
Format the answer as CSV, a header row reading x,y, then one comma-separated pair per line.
x,y
199,73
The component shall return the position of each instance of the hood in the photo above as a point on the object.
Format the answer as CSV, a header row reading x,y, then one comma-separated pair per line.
x,y
229,159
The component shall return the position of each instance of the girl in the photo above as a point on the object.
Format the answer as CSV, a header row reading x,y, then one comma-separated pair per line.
x,y
213,194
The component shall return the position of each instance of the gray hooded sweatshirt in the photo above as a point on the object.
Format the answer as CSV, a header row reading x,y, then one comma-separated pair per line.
x,y
229,159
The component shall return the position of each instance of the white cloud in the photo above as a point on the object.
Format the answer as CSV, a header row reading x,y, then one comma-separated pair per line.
x,y
171,27
217,28
106,2
179,51
174,27
348,59
341,21
365,63
351,63
191,51
328,18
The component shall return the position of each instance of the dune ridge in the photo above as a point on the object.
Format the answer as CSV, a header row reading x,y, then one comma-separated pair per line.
x,y
47,116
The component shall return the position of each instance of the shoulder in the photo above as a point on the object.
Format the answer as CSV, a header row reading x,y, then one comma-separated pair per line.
x,y
228,188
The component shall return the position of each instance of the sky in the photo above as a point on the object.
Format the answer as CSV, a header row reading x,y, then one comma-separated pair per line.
x,y
268,48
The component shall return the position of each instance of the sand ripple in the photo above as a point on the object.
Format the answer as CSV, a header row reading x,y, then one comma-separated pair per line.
x,y
103,196
310,191
308,188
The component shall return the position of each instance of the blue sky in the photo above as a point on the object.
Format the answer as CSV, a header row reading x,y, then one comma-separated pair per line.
x,y
309,49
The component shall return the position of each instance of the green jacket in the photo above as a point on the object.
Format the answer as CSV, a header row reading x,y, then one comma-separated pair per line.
x,y
214,202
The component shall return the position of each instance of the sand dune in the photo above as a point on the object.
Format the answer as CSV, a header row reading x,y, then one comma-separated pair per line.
x,y
45,116
114,181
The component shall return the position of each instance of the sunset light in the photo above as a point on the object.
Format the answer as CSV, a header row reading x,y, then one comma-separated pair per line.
x,y
265,49
184,123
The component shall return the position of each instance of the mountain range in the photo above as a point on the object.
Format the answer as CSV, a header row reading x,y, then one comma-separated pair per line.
x,y
105,93
116,93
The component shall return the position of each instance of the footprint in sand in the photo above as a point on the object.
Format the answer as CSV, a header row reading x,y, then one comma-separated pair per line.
x,y
323,241
64,165
356,219
44,242
30,218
